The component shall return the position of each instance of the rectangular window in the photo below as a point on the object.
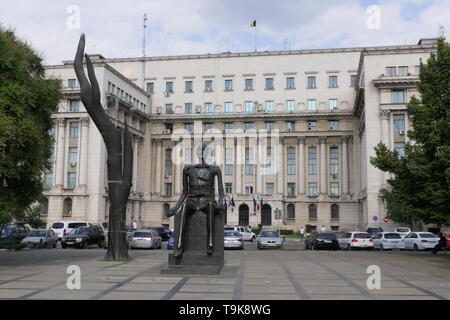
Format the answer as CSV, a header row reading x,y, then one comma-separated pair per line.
x,y
249,106
400,148
207,127
188,86
311,105
291,189
168,162
229,161
290,105
403,71
311,82
334,161
208,85
48,180
334,189
188,107
169,86
332,80
269,106
290,82
228,188
248,161
72,83
417,70
312,189
398,96
228,85
269,188
291,160
312,126
312,160
228,107
269,160
248,84
269,126
71,180
399,122
248,126
189,127
249,188
391,71
269,83
333,125
74,105
228,127
168,189
74,129
333,104
169,109
290,126
208,107
150,87
353,78
188,156
73,156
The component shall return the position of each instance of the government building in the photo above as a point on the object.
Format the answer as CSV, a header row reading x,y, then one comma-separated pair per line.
x,y
293,131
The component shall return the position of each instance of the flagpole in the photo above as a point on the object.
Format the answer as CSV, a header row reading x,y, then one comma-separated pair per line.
x,y
256,48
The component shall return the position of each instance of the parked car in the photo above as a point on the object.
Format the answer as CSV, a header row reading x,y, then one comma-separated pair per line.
x,y
403,231
146,239
356,240
420,241
14,233
171,242
62,228
163,232
447,236
374,230
247,233
269,239
82,237
233,239
322,240
41,238
388,240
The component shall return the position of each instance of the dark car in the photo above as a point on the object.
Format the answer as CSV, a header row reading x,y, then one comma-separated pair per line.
x,y
171,242
373,231
322,240
82,237
163,232
14,233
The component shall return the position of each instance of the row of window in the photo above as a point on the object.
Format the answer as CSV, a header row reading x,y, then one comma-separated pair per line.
x,y
311,82
71,180
125,96
395,71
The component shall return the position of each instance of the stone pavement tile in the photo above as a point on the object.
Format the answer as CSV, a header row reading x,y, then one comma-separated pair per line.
x,y
90,286
202,296
323,283
384,283
27,284
431,284
331,290
318,278
252,296
207,288
135,295
42,277
397,291
53,294
338,297
253,275
393,297
111,279
268,289
156,280
278,282
13,293
146,287
211,281
117,273
441,291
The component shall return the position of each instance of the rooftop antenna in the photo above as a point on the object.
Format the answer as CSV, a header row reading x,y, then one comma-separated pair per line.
x,y
442,31
144,33
285,43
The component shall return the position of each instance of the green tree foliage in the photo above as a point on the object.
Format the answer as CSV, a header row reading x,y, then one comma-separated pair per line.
x,y
27,101
420,189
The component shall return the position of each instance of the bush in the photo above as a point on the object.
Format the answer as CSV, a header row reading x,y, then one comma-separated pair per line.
x,y
12,244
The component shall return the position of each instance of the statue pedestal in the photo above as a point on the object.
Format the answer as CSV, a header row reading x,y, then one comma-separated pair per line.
x,y
194,259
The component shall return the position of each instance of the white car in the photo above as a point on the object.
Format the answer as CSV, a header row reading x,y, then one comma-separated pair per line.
x,y
61,228
356,240
420,241
247,233
388,240
403,231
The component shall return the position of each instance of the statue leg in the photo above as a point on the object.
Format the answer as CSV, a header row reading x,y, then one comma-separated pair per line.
x,y
179,249
210,228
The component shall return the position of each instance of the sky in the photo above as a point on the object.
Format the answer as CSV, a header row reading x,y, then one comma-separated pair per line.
x,y
177,27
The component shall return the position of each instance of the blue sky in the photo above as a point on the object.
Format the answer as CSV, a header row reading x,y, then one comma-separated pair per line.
x,y
176,27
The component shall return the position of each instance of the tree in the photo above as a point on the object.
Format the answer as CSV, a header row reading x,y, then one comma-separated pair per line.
x,y
420,188
27,101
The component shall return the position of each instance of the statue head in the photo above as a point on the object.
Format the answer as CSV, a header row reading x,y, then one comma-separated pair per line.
x,y
202,153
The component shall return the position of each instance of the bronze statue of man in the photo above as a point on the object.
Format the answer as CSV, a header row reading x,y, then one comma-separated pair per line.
x,y
199,195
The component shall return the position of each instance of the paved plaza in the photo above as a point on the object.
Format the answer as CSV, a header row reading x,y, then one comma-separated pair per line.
x,y
249,274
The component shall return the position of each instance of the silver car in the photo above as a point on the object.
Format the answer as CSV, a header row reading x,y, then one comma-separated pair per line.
x,y
146,239
41,238
233,239
269,239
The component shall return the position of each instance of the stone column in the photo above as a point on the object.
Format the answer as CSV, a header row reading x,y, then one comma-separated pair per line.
x,y
385,136
135,164
238,164
323,165
84,150
158,166
345,186
59,179
258,162
301,166
280,170
177,175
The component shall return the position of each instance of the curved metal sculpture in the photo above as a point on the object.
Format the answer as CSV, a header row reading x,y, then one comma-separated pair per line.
x,y
120,156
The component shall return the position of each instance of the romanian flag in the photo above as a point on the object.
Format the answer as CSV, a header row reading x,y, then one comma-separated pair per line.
x,y
253,24
225,203
232,202
254,204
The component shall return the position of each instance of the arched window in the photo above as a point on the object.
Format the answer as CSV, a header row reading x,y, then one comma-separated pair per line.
x,y
312,212
290,211
67,207
334,212
44,207
166,208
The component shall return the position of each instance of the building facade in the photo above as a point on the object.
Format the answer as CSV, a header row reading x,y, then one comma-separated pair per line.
x,y
293,130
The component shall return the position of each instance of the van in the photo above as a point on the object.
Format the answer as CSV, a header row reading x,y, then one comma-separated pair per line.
x,y
247,233
61,228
